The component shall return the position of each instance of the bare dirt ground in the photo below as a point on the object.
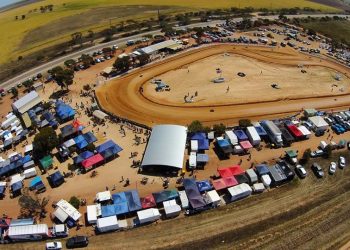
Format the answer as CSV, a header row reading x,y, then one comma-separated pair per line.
x,y
255,86
123,98
305,214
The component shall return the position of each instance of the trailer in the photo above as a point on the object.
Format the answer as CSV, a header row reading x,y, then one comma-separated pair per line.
x,y
7,123
28,232
184,199
231,137
107,224
148,215
240,191
273,132
253,136
30,172
323,145
171,208
253,177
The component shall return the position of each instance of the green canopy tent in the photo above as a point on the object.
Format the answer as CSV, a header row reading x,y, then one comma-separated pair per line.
x,y
46,162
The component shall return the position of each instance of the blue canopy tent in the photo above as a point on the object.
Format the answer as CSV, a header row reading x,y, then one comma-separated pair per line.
x,y
68,131
8,169
64,111
204,186
15,158
225,146
109,144
38,110
108,153
16,187
119,198
121,208
2,190
80,142
90,137
107,210
194,196
35,182
133,199
19,163
56,179
26,158
203,142
165,195
262,169
202,158
48,116
82,156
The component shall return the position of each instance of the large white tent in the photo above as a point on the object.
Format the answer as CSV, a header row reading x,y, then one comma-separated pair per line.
x,y
166,147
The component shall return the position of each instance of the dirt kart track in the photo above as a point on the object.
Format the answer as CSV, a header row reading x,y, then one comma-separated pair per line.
x,y
251,96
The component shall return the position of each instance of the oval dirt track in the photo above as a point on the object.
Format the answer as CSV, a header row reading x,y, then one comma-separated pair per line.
x,y
121,96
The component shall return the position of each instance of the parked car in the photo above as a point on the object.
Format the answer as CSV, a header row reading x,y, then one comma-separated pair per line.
x,y
317,170
301,172
342,162
55,245
332,168
77,241
317,153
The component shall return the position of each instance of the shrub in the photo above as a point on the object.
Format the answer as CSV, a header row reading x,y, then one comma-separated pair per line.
x,y
74,201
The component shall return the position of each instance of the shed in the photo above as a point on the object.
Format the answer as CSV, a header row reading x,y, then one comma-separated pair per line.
x,y
212,197
26,102
107,224
171,208
240,191
148,215
252,175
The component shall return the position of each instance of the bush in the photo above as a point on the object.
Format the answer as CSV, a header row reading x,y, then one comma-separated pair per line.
x,y
86,87
219,129
306,156
74,201
195,126
244,123
328,151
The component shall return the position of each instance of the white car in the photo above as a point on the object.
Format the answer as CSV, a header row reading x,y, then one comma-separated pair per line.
x,y
55,245
342,162
332,168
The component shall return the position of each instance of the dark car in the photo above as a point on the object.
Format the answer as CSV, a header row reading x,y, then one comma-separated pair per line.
x,y
317,170
77,241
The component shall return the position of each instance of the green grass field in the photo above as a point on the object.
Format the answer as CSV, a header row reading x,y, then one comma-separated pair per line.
x,y
39,30
337,30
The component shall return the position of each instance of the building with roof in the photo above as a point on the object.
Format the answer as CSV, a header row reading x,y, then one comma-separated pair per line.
x,y
154,49
165,148
26,102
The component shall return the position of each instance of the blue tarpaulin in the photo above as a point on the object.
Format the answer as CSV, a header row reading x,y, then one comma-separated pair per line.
x,y
107,211
56,179
15,187
36,181
90,137
121,208
119,197
109,144
134,203
82,156
80,142
204,185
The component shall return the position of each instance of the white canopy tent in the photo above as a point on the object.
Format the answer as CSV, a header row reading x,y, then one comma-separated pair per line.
x,y
99,114
103,196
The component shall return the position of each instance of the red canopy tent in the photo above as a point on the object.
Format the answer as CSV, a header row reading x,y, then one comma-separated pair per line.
x,y
230,181
93,160
77,124
245,145
230,171
225,172
148,202
295,131
218,184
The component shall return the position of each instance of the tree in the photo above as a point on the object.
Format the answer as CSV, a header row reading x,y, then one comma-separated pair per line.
x,y
28,84
77,37
219,129
63,77
23,17
328,151
69,63
306,156
122,64
44,142
143,59
244,123
87,60
90,36
195,126
31,205
74,201
14,92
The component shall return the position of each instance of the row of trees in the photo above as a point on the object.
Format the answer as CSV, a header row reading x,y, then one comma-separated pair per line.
x,y
123,64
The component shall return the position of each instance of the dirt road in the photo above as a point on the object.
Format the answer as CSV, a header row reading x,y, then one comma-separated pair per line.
x,y
305,214
122,97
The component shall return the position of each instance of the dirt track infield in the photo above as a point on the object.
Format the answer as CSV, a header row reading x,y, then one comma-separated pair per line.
x,y
122,97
